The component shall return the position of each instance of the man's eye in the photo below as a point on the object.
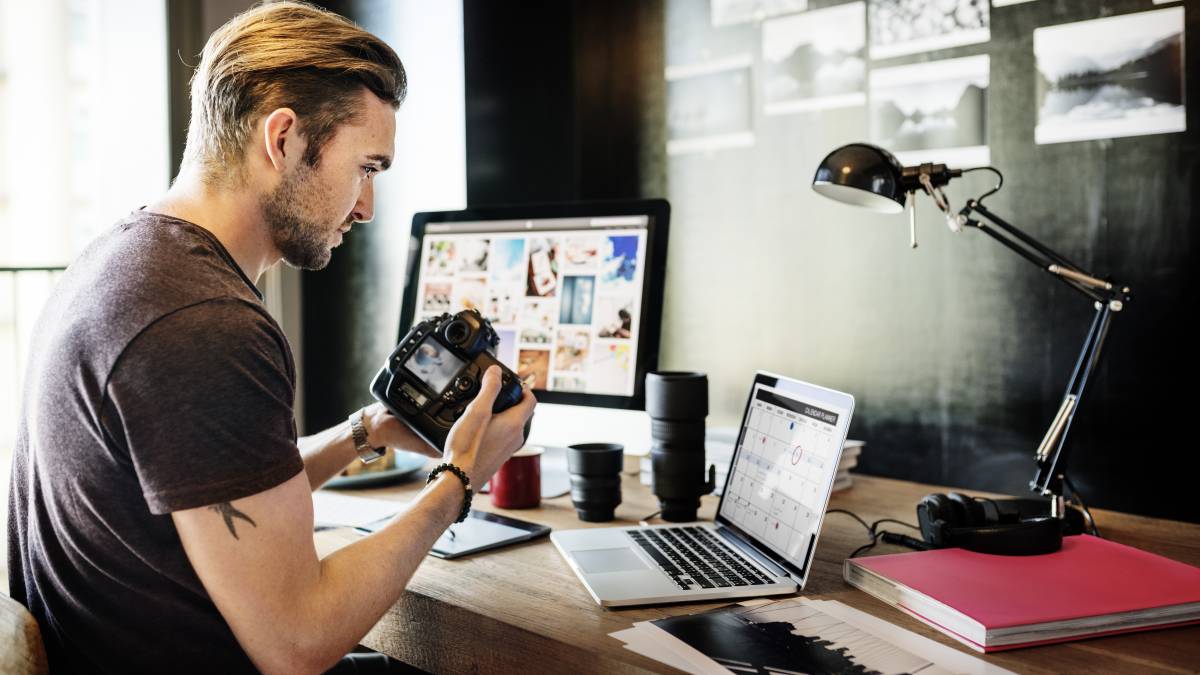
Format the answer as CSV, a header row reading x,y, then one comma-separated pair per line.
x,y
370,170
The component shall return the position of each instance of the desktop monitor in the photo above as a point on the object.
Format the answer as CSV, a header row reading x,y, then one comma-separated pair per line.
x,y
574,290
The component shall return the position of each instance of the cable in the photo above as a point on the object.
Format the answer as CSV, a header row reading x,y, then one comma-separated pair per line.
x,y
864,547
999,183
893,520
1086,512
854,516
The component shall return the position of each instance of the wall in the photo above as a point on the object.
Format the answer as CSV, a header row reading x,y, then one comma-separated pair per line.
x,y
959,351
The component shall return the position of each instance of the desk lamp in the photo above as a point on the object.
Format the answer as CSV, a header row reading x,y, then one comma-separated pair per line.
x,y
865,175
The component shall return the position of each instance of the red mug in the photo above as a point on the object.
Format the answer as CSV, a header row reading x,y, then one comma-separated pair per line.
x,y
518,483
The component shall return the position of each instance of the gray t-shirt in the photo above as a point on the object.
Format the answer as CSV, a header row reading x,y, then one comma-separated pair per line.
x,y
157,382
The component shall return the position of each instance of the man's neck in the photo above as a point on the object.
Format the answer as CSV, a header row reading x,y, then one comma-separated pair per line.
x,y
232,215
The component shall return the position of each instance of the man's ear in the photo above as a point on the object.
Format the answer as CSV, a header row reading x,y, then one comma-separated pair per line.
x,y
281,138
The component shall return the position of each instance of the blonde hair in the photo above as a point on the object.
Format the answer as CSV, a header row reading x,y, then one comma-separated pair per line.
x,y
276,55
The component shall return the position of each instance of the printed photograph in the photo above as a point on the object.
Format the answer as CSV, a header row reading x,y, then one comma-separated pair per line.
x,y
620,262
537,321
440,259
508,260
506,351
791,636
816,60
729,12
1112,77
434,365
614,317
472,255
571,350
533,367
542,274
469,293
569,383
581,254
710,106
577,294
611,369
504,304
436,298
932,112
901,27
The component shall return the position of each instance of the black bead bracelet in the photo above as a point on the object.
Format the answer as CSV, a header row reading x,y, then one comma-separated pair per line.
x,y
462,475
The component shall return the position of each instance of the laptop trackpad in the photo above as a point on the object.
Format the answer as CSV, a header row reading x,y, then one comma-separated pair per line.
x,y
600,560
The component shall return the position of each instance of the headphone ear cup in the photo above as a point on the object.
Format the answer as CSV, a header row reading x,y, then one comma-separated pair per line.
x,y
931,516
972,510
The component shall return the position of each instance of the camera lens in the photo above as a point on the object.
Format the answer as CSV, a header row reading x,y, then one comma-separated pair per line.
x,y
457,331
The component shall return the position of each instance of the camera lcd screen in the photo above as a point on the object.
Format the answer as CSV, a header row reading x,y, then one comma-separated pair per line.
x,y
434,364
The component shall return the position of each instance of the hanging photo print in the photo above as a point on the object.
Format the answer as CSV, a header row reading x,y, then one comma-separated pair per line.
x,y
901,27
709,106
816,60
1111,77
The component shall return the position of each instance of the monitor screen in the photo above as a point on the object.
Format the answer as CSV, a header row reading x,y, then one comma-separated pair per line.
x,y
784,466
567,291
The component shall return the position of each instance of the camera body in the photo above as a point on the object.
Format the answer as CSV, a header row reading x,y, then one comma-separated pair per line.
x,y
436,371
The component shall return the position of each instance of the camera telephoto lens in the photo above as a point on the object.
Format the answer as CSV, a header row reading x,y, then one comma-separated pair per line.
x,y
677,403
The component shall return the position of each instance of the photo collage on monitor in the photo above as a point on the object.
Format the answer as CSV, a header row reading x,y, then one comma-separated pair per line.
x,y
566,304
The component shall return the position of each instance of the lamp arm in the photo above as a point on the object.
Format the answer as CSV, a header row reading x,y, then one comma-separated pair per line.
x,y
1049,260
1052,453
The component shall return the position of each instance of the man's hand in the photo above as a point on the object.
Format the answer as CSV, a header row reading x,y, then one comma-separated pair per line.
x,y
479,442
385,429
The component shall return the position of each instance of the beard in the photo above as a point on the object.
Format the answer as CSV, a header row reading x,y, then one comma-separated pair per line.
x,y
302,238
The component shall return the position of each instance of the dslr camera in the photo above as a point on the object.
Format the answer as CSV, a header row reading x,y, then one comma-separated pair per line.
x,y
436,370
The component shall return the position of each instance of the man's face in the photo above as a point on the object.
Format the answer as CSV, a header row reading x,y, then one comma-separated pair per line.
x,y
311,208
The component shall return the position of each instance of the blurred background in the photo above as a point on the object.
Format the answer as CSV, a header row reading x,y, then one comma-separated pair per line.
x,y
957,352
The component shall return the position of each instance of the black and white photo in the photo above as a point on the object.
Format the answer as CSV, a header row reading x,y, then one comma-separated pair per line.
x,y
815,60
729,12
901,27
1111,77
932,112
709,106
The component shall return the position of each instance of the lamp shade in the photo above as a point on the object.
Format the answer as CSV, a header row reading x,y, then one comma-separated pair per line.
x,y
860,174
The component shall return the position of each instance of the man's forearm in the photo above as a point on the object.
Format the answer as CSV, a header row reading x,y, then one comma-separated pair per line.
x,y
326,453
360,582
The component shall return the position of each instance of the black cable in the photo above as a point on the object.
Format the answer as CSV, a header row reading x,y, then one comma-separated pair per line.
x,y
864,547
1086,512
870,530
999,183
893,520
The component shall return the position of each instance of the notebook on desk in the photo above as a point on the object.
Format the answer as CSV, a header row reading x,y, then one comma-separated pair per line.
x,y
768,519
1090,587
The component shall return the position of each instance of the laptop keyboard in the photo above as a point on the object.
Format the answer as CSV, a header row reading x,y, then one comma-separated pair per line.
x,y
694,557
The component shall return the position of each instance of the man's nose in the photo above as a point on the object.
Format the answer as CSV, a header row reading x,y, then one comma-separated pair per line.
x,y
364,208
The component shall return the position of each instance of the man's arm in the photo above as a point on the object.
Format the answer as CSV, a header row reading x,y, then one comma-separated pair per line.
x,y
293,612
327,452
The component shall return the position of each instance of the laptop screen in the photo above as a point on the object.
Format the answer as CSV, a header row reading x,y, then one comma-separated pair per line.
x,y
784,466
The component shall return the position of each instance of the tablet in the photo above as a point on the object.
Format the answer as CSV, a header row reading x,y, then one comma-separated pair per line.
x,y
482,531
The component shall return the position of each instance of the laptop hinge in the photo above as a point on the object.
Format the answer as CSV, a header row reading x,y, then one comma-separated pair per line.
x,y
743,546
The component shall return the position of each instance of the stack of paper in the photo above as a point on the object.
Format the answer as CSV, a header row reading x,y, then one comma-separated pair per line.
x,y
850,452
793,635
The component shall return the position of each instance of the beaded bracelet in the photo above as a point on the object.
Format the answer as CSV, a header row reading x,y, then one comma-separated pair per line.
x,y
462,475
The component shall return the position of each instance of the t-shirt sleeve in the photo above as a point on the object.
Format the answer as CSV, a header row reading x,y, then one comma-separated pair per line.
x,y
202,402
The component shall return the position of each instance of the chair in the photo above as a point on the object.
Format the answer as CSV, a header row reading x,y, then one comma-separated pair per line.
x,y
21,649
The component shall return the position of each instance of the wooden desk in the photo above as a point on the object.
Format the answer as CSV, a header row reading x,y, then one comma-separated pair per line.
x,y
522,609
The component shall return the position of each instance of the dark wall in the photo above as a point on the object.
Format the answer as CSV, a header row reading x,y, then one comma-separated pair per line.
x,y
959,352
564,100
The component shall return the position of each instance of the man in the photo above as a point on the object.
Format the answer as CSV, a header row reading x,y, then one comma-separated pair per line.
x,y
161,508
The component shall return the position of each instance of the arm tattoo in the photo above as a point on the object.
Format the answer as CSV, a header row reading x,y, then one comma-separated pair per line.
x,y
229,513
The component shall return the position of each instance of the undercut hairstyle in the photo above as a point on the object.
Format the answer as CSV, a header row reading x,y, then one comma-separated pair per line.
x,y
283,55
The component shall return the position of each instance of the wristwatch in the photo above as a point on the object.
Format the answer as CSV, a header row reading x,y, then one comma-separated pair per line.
x,y
366,453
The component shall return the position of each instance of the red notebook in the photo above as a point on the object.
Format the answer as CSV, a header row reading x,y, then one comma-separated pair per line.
x,y
1090,587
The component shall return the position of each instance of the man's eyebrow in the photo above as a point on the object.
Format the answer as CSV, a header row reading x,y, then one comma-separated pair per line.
x,y
384,161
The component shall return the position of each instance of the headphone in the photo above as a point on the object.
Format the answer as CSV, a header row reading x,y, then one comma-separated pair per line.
x,y
997,526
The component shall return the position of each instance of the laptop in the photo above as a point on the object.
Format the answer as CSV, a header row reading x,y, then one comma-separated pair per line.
x,y
765,533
